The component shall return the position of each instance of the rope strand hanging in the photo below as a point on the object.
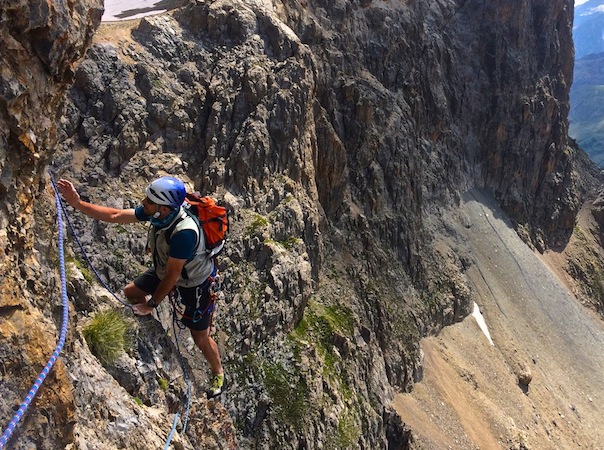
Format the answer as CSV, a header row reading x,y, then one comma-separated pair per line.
x,y
55,355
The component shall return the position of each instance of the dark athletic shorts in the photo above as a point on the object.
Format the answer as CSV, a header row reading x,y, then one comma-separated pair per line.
x,y
196,315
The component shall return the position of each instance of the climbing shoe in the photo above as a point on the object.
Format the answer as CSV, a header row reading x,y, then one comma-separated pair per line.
x,y
216,386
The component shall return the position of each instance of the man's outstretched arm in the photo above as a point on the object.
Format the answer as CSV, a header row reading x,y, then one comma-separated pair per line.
x,y
104,213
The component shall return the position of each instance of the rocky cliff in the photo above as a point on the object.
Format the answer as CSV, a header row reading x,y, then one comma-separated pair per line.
x,y
336,133
41,41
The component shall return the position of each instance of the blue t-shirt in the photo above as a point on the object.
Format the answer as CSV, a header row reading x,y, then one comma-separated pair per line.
x,y
182,243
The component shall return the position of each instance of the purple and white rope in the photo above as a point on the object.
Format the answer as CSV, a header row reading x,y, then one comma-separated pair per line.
x,y
55,355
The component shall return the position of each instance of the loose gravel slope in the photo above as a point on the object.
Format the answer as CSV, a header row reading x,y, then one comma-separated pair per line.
x,y
541,385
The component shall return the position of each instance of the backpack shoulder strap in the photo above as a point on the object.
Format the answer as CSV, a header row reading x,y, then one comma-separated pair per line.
x,y
168,233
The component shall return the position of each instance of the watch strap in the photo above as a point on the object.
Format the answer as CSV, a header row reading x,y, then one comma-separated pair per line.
x,y
152,303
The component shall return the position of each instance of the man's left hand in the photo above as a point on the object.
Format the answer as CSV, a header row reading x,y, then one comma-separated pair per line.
x,y
141,309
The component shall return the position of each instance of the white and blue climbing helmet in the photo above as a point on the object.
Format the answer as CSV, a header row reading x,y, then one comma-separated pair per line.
x,y
168,191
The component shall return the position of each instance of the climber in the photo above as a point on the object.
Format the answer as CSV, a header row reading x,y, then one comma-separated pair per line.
x,y
180,263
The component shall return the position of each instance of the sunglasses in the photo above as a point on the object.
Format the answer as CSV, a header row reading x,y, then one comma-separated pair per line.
x,y
149,201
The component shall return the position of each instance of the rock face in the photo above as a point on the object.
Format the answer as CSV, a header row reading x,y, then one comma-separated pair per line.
x,y
41,41
335,132
455,88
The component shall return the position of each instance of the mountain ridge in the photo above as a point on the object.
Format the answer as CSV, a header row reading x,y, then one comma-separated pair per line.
x,y
339,135
587,28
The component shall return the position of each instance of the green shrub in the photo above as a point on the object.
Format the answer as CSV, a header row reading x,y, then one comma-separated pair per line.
x,y
106,335
163,384
257,223
319,325
86,273
288,392
348,431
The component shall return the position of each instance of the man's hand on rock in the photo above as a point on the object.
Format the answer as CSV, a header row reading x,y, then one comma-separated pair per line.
x,y
141,309
69,192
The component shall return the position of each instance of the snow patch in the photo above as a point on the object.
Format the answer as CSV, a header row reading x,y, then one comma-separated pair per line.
x,y
481,322
590,11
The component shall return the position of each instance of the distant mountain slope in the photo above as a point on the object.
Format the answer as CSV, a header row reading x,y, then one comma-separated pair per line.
x,y
472,390
586,115
588,28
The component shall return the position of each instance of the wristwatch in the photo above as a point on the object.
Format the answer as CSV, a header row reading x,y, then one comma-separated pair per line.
x,y
152,303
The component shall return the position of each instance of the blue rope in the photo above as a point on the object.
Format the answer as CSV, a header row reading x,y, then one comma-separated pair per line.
x,y
188,382
171,432
17,417
184,370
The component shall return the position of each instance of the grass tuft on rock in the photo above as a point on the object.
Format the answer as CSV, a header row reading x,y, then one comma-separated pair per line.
x,y
106,335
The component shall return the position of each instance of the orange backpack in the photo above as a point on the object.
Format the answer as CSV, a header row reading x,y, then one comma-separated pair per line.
x,y
212,218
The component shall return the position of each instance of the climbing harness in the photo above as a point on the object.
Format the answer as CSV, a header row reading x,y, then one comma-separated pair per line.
x,y
215,287
24,405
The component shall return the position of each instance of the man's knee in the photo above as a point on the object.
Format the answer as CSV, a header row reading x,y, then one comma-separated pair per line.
x,y
200,336
134,294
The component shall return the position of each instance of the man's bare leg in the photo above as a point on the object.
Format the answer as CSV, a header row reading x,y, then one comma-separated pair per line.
x,y
209,348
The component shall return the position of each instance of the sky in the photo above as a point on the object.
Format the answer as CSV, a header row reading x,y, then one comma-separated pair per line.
x,y
580,2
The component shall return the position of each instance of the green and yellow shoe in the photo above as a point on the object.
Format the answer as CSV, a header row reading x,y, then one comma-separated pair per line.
x,y
216,386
